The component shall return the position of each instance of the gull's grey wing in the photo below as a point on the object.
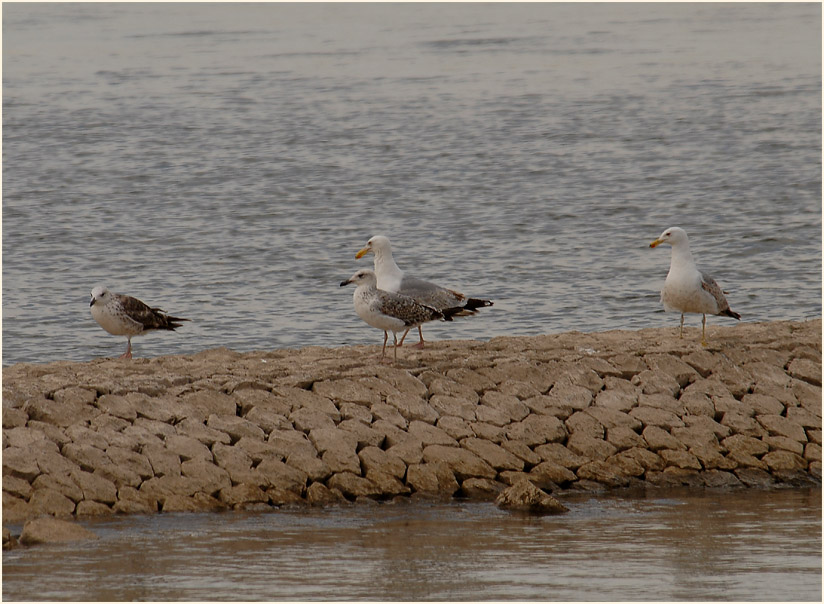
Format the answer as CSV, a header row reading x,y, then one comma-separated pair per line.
x,y
710,286
431,294
406,309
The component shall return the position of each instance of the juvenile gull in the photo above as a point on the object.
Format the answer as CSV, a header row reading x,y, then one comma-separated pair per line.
x,y
390,311
393,279
687,289
122,315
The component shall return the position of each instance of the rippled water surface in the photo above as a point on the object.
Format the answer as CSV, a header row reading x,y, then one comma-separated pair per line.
x,y
226,162
739,546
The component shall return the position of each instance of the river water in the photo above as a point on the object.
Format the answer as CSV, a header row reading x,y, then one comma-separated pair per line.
x,y
665,545
226,161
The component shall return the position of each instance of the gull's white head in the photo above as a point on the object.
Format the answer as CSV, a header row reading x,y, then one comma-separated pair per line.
x,y
673,236
99,294
364,276
377,245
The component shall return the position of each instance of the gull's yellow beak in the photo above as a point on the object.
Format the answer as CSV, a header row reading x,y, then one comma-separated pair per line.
x,y
362,252
656,243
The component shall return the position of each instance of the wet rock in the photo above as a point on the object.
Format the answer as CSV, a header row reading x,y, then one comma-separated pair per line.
x,y
717,479
754,477
482,489
526,497
602,472
51,530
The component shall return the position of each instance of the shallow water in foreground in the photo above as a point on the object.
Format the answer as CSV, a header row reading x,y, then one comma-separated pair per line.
x,y
660,545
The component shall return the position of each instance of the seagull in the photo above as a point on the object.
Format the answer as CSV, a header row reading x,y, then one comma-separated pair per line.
x,y
687,289
122,315
390,311
392,279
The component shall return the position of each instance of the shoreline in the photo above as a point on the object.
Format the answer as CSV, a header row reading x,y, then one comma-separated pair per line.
x,y
321,426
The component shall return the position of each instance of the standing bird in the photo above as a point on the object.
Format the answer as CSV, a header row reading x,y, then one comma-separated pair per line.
x,y
390,311
392,279
687,289
122,315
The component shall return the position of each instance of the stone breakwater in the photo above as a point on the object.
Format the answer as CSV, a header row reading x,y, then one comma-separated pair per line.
x,y
222,429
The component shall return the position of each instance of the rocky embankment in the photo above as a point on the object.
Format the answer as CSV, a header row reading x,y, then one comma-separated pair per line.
x,y
222,429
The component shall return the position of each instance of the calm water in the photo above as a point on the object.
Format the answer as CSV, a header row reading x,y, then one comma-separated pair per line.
x,y
226,162
741,546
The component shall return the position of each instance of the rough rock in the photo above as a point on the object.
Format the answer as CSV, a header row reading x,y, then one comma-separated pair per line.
x,y
52,530
526,497
221,429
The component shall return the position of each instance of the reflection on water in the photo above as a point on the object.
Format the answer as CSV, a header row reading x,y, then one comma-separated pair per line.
x,y
662,545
